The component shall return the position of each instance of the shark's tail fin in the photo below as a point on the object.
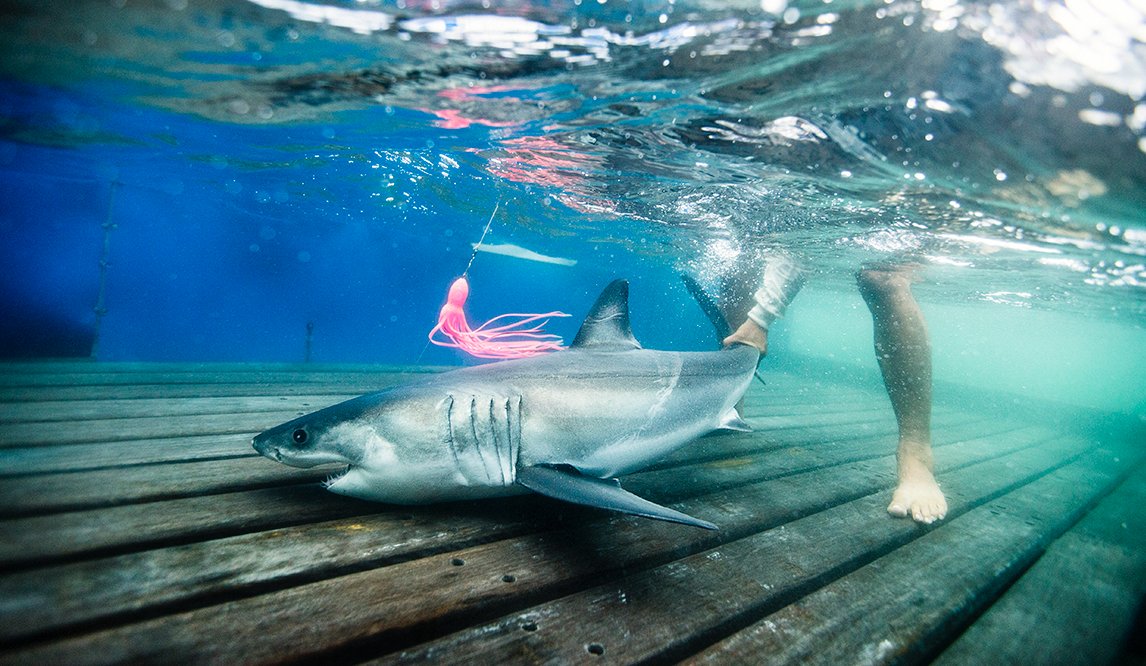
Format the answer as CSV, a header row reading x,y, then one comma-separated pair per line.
x,y
711,309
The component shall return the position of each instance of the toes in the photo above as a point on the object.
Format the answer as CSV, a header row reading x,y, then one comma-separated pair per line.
x,y
929,513
920,512
924,504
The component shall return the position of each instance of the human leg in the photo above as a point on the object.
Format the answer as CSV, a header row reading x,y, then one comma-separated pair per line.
x,y
903,351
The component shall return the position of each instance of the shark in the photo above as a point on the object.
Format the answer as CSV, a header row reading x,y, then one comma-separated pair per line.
x,y
565,424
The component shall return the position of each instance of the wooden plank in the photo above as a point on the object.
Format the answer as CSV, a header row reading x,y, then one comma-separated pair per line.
x,y
67,388
1077,603
725,473
356,385
110,485
904,606
71,534
100,409
63,393
89,423
63,537
386,608
269,376
101,374
207,380
75,491
781,388
666,612
110,373
51,601
97,406
119,430
114,485
219,555
880,435
43,433
127,584
48,458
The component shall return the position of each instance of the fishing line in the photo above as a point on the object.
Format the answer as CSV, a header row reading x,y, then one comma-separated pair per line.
x,y
484,233
470,263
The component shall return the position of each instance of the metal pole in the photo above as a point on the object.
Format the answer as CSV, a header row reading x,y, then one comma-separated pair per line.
x,y
100,307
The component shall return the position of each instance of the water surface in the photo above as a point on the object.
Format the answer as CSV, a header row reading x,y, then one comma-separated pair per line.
x,y
244,168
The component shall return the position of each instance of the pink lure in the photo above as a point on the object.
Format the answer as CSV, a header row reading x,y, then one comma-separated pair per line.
x,y
513,339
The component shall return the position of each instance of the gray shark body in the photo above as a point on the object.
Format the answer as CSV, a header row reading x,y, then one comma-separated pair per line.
x,y
563,424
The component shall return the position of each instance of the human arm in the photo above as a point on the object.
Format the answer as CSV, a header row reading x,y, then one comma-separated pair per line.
x,y
783,277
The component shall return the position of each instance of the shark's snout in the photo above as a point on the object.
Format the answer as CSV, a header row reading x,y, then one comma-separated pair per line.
x,y
305,444
265,448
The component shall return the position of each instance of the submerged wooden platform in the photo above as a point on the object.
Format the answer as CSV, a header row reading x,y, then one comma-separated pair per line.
x,y
138,525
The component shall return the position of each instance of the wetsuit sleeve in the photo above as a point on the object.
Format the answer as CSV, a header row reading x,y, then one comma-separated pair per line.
x,y
783,278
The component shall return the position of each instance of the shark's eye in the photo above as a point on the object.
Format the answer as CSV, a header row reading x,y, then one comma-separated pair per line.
x,y
299,436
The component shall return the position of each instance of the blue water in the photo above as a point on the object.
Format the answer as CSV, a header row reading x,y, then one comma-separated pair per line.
x,y
250,167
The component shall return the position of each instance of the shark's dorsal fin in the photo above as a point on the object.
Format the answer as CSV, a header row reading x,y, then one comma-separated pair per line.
x,y
607,325
569,485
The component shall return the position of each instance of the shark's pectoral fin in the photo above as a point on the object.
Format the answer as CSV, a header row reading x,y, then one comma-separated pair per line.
x,y
569,485
732,421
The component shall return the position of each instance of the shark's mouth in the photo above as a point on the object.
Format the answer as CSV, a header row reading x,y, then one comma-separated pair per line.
x,y
335,477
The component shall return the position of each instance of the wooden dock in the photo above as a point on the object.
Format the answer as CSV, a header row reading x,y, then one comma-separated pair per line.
x,y
138,525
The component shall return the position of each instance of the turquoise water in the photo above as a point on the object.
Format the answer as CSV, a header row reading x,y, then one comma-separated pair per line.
x,y
245,168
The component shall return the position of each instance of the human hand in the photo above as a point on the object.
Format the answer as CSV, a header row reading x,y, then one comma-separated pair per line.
x,y
750,334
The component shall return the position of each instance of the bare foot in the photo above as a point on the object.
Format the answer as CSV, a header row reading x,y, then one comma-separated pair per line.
x,y
917,495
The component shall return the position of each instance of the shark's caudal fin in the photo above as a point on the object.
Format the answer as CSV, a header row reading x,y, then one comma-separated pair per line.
x,y
569,485
711,309
606,327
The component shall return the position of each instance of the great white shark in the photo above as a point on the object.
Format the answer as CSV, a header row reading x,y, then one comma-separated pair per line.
x,y
563,424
